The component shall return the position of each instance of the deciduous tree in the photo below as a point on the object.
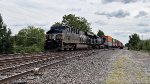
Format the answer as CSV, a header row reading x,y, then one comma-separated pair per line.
x,y
6,43
56,24
134,41
75,22
31,36
100,33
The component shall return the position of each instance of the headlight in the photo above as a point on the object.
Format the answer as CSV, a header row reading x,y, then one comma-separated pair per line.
x,y
54,36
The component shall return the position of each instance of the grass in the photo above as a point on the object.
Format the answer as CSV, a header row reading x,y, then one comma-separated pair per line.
x,y
122,69
118,74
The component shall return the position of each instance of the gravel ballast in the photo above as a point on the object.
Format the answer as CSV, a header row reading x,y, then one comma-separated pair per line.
x,y
88,70
103,67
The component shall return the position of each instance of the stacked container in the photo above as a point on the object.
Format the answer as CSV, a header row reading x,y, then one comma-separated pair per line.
x,y
108,41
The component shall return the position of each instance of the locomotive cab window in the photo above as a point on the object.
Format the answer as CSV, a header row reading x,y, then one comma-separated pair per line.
x,y
74,30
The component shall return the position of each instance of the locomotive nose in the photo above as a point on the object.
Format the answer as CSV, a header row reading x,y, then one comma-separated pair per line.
x,y
60,36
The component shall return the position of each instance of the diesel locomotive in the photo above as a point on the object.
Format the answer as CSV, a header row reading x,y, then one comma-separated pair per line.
x,y
67,38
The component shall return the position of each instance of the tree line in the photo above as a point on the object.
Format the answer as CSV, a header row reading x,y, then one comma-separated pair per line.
x,y
135,43
32,39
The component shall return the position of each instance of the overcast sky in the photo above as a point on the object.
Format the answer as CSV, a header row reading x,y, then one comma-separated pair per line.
x,y
118,18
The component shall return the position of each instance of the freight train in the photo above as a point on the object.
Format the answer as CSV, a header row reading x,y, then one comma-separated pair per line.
x,y
67,38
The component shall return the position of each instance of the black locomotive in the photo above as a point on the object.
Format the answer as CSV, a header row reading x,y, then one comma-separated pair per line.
x,y
67,38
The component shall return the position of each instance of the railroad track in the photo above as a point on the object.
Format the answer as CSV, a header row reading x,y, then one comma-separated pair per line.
x,y
9,74
21,61
12,61
9,56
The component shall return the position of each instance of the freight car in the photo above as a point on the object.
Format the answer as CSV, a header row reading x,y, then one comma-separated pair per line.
x,y
120,45
108,41
67,38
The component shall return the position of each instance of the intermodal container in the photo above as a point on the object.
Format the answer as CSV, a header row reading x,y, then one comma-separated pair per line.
x,y
108,38
108,41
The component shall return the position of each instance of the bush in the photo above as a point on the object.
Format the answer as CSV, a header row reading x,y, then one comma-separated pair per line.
x,y
147,45
136,44
29,49
28,40
143,45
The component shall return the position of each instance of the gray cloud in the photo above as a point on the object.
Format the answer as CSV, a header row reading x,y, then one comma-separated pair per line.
x,y
37,24
122,1
119,34
143,31
117,14
141,14
74,9
143,24
99,22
